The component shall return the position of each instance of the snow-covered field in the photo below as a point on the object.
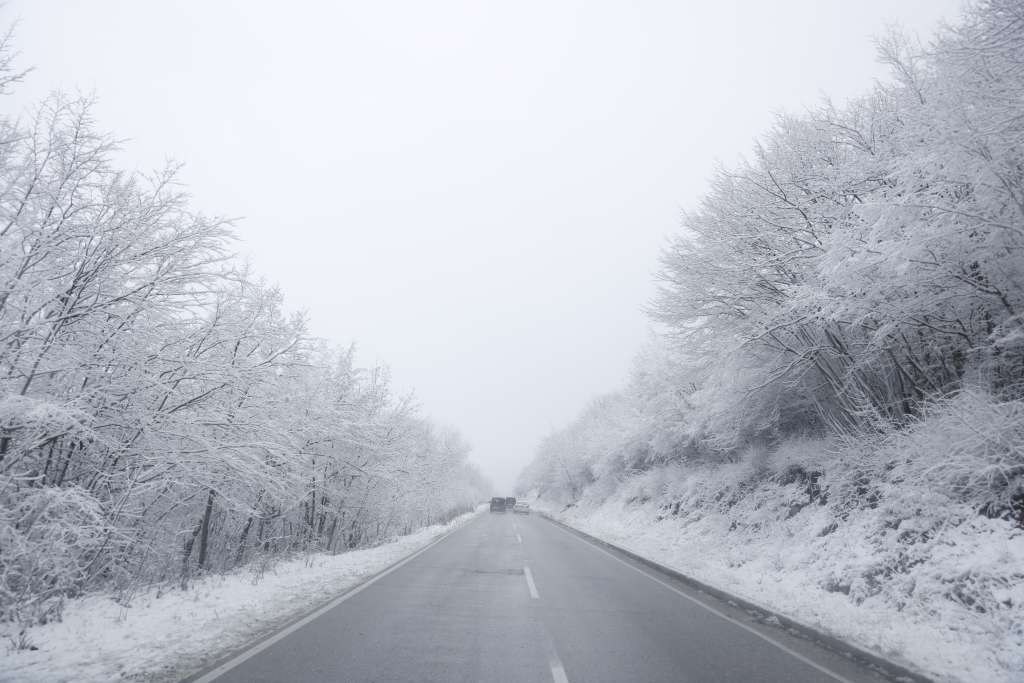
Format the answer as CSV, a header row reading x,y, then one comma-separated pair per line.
x,y
167,634
952,610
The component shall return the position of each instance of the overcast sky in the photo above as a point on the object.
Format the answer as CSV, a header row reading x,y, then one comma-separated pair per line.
x,y
473,192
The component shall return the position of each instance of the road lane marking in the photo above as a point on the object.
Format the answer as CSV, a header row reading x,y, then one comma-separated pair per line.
x,y
519,539
809,662
558,672
280,635
530,584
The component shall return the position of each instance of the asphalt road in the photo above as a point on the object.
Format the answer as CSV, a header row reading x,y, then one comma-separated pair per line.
x,y
512,598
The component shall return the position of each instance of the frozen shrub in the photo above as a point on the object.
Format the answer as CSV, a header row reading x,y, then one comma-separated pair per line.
x,y
971,446
53,541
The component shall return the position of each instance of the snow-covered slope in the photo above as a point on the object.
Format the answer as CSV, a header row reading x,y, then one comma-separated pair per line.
x,y
867,549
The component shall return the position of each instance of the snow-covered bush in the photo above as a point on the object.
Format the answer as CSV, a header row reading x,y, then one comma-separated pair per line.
x,y
971,447
53,541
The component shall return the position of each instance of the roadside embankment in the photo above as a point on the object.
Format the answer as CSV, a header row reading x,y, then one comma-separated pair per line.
x,y
868,549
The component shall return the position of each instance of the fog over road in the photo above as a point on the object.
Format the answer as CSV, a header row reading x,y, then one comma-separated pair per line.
x,y
518,598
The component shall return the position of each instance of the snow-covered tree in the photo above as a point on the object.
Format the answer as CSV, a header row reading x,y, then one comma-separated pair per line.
x,y
161,414
864,265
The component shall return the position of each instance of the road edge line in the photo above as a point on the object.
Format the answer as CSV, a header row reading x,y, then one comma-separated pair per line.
x,y
558,671
530,584
261,643
876,662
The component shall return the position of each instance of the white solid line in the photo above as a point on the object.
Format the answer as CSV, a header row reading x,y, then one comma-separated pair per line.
x,y
263,645
558,673
519,539
714,611
530,584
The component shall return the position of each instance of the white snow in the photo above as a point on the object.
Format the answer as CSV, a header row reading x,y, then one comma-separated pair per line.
x,y
167,634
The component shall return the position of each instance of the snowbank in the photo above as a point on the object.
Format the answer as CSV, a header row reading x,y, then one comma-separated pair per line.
x,y
864,548
167,634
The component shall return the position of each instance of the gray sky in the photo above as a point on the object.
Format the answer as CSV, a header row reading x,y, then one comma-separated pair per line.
x,y
474,192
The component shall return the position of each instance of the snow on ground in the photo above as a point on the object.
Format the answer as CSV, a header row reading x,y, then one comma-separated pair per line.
x,y
930,614
168,634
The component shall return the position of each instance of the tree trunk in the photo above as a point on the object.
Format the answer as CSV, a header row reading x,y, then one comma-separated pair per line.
x,y
204,536
240,553
190,543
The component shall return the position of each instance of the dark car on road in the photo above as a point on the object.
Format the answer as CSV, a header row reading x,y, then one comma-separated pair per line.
x,y
497,504
510,503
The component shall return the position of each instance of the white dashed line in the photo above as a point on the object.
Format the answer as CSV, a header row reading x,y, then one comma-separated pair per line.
x,y
519,539
558,672
530,584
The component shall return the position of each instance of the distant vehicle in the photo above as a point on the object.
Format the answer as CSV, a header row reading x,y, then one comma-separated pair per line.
x,y
521,508
497,504
510,503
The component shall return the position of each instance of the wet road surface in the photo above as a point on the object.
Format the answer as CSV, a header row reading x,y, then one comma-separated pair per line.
x,y
511,598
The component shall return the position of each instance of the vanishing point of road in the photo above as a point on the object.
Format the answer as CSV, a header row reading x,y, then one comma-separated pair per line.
x,y
511,598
